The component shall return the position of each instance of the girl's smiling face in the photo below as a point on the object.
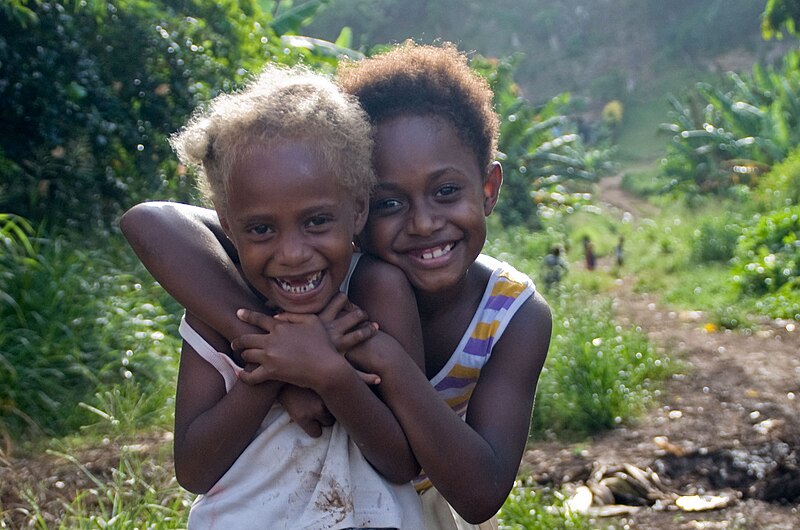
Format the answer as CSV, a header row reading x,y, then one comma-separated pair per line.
x,y
427,213
292,224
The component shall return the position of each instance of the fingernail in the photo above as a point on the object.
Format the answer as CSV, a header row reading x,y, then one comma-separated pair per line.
x,y
241,313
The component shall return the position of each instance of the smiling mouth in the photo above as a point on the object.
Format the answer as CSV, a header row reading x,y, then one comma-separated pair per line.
x,y
433,253
300,285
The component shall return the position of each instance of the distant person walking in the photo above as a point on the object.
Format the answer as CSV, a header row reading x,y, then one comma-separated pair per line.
x,y
588,253
555,268
618,251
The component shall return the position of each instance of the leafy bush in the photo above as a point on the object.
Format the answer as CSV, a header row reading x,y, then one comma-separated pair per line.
x,y
72,323
727,136
533,509
597,374
91,90
781,186
715,238
768,255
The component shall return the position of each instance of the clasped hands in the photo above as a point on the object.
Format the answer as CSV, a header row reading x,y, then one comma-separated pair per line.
x,y
304,351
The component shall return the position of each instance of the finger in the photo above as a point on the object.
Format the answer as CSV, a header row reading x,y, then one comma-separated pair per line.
x,y
257,376
295,318
355,337
311,428
255,318
370,379
250,341
348,320
337,304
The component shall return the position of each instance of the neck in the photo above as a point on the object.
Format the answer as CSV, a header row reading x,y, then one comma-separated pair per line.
x,y
443,301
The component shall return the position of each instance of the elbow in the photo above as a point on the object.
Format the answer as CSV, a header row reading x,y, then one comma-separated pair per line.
x,y
193,480
134,222
403,476
146,218
480,506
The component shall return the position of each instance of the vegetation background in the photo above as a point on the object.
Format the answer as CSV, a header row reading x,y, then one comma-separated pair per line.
x,y
693,104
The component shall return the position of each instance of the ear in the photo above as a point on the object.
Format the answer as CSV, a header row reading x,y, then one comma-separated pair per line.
x,y
491,187
361,206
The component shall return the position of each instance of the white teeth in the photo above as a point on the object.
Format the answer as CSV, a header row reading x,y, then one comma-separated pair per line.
x,y
311,283
439,252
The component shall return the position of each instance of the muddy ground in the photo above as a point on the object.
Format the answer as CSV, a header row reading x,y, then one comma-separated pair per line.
x,y
727,430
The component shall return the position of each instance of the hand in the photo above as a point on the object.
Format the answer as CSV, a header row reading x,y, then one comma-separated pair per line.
x,y
306,408
337,326
296,350
347,324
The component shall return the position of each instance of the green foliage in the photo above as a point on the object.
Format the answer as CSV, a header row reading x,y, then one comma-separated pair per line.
x,y
540,149
86,114
781,186
780,15
597,374
715,238
71,322
528,508
723,137
768,255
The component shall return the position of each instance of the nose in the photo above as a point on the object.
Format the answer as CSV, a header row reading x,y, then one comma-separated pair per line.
x,y
292,249
423,220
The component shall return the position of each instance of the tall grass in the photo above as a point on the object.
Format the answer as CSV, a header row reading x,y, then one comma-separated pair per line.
x,y
74,318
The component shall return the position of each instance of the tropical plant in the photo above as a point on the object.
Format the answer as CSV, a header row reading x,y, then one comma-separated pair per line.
x,y
723,137
541,151
780,15
93,89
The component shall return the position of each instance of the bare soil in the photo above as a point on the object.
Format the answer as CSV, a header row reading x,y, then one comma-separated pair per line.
x,y
727,427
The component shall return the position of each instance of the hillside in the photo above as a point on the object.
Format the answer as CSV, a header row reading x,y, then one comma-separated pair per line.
x,y
635,51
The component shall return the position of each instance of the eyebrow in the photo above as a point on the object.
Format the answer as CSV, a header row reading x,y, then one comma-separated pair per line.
x,y
323,207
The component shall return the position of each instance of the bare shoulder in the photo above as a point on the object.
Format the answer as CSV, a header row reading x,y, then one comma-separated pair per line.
x,y
375,283
527,337
383,291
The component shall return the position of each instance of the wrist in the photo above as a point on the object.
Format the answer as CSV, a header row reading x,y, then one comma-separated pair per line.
x,y
336,376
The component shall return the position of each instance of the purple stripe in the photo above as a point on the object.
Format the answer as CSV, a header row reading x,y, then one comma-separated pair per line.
x,y
454,382
479,347
499,302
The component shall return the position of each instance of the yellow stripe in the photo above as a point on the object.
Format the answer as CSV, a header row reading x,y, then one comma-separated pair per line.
x,y
458,400
507,289
460,371
485,330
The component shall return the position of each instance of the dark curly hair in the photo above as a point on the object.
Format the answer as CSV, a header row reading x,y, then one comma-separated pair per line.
x,y
421,80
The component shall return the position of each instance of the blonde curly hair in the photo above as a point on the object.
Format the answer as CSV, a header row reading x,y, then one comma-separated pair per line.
x,y
280,104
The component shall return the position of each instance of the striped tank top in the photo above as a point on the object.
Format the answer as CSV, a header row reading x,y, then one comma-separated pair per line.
x,y
505,293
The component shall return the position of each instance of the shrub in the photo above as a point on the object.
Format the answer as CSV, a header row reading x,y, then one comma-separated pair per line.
x,y
715,238
597,374
91,90
768,255
780,187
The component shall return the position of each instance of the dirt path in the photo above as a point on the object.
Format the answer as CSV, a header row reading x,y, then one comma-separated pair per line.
x,y
727,427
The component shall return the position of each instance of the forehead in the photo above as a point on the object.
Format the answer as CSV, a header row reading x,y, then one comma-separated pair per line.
x,y
421,144
284,173
410,147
